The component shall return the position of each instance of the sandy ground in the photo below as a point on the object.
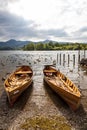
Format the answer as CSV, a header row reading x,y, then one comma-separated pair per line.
x,y
38,102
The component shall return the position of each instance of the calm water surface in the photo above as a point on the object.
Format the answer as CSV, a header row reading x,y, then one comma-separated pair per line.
x,y
66,61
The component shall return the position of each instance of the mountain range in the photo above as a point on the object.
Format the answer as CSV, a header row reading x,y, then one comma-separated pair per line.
x,y
14,44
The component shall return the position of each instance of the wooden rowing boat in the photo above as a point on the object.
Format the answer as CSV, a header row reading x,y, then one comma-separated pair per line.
x,y
17,82
62,86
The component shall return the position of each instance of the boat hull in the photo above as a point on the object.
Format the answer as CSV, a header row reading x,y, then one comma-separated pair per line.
x,y
71,96
14,93
72,100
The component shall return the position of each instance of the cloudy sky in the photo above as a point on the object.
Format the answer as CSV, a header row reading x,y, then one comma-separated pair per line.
x,y
36,20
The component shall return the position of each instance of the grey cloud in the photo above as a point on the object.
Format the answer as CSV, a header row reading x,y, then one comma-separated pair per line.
x,y
80,32
12,26
15,27
57,32
79,35
83,29
3,3
53,32
77,39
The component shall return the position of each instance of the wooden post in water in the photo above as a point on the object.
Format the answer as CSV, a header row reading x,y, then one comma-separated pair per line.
x,y
64,59
57,57
74,59
60,58
78,53
78,58
68,59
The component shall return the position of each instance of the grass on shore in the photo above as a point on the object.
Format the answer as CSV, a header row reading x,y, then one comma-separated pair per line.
x,y
45,123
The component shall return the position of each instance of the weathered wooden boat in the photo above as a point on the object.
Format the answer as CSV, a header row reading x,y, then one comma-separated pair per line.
x,y
63,86
17,82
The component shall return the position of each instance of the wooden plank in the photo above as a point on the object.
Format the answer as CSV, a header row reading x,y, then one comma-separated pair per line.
x,y
23,72
49,71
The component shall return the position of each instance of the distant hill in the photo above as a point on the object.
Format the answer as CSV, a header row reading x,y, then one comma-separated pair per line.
x,y
15,45
47,41
12,44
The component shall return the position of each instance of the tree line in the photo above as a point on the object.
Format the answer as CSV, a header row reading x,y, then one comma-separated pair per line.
x,y
55,46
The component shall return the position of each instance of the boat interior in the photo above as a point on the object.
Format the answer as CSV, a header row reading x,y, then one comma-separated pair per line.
x,y
55,76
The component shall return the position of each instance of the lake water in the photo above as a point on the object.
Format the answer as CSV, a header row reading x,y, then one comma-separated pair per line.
x,y
66,61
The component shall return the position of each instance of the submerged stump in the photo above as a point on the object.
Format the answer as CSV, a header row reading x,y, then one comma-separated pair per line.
x,y
83,62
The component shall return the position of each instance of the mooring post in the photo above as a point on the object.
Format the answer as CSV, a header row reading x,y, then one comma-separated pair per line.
x,y
74,59
64,59
68,59
60,58
79,58
78,53
57,57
